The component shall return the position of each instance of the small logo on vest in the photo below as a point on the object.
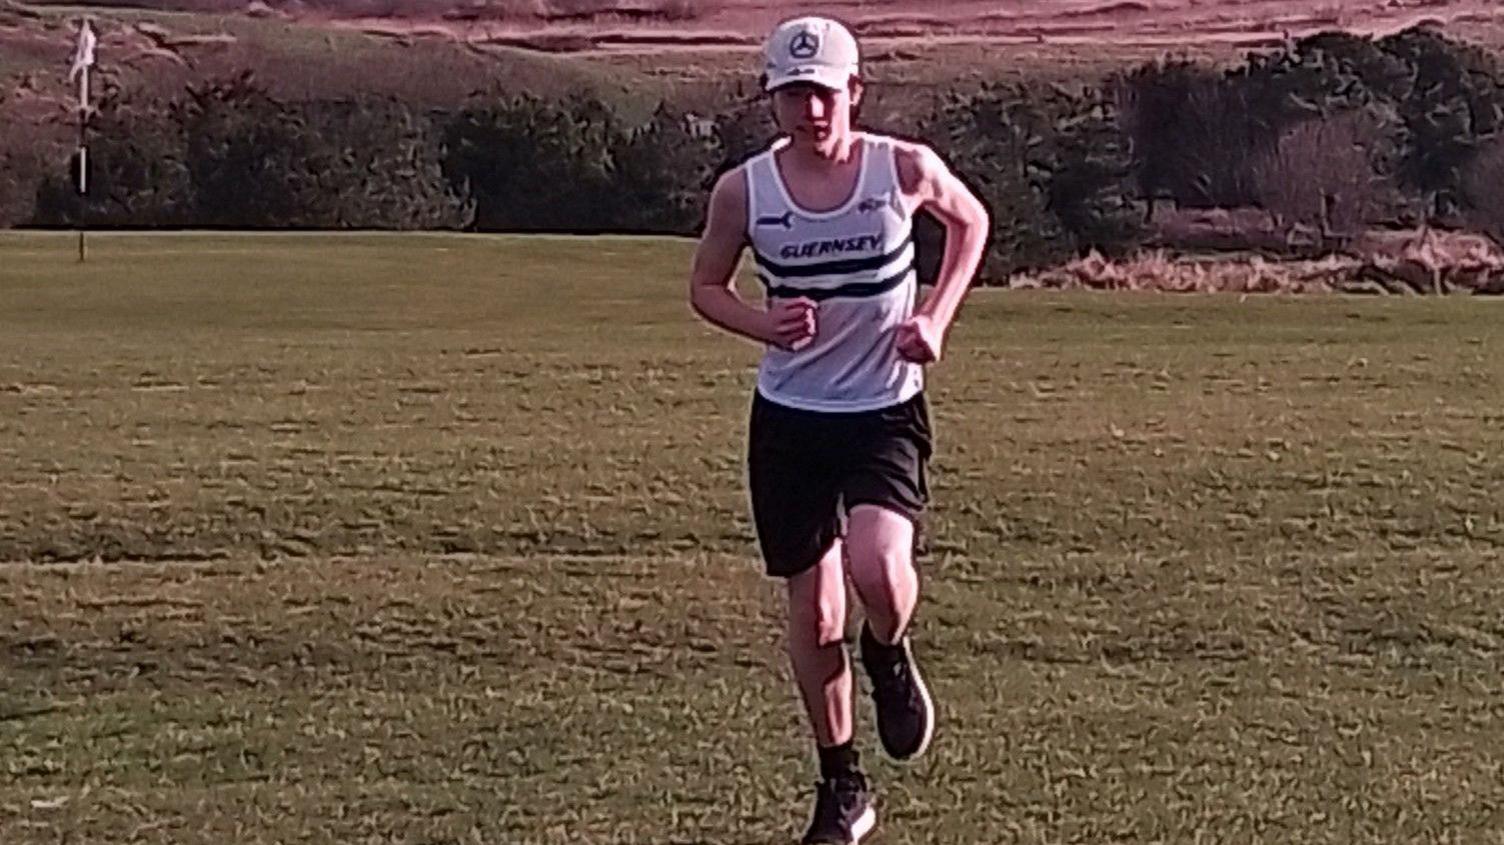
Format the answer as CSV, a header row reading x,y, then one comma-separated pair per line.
x,y
878,201
786,220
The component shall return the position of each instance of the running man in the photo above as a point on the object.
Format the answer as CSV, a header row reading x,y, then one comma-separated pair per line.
x,y
840,433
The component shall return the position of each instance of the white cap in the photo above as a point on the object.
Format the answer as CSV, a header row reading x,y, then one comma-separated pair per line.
x,y
817,50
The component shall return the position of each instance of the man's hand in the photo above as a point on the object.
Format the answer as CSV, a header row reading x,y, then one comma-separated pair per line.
x,y
919,339
791,323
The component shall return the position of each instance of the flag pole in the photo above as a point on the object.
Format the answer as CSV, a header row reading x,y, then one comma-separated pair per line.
x,y
83,158
83,60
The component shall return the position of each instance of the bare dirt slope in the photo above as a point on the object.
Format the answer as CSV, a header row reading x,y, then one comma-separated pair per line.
x,y
1167,22
441,50
1087,22
446,46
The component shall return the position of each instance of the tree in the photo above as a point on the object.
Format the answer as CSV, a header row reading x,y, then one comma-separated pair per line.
x,y
662,173
257,162
246,156
987,138
1455,105
533,165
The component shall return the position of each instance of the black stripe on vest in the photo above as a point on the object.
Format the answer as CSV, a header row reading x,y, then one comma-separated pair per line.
x,y
840,266
852,290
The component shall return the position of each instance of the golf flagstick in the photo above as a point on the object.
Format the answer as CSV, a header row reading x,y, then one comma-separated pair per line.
x,y
83,59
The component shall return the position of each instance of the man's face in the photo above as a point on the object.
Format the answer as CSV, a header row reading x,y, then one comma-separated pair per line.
x,y
814,115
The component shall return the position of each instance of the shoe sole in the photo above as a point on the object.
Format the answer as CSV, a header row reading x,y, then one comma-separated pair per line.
x,y
863,825
929,704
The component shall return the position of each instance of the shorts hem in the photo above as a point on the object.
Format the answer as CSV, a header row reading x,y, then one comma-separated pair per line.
x,y
784,573
911,514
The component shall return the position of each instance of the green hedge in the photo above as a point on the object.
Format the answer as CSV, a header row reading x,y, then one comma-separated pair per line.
x,y
1064,169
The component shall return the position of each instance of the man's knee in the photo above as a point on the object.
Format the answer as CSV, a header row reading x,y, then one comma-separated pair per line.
x,y
879,565
881,546
821,621
817,611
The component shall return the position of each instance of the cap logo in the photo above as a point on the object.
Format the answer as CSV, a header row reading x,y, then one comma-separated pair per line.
x,y
804,45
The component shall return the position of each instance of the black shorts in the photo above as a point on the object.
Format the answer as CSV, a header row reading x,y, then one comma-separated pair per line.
x,y
807,469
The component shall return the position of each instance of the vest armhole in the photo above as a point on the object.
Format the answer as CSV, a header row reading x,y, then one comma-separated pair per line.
x,y
892,157
749,179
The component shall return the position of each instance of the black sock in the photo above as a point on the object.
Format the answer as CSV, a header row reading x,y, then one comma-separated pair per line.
x,y
839,760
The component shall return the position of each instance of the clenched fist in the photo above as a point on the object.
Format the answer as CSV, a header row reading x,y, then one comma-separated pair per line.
x,y
919,339
791,323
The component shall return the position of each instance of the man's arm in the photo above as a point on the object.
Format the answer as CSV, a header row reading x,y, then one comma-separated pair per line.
x,y
789,323
930,185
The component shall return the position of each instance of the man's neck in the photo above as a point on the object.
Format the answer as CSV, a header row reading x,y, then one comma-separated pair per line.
x,y
842,151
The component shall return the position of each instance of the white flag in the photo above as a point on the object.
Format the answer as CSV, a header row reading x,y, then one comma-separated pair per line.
x,y
83,54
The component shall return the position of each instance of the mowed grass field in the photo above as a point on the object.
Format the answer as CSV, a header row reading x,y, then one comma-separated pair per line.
x,y
443,539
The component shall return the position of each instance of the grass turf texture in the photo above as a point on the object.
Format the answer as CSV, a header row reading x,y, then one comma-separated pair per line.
x,y
430,539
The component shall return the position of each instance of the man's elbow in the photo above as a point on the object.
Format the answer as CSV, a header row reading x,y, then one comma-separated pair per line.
x,y
980,220
971,226
967,218
699,298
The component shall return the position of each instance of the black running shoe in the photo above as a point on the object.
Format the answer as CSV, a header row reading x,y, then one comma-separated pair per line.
x,y
905,713
843,812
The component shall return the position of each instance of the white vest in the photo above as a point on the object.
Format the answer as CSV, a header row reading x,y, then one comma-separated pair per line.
x,y
857,263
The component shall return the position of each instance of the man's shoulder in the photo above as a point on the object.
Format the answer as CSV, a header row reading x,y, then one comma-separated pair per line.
x,y
738,172
733,181
909,150
728,195
899,143
914,159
